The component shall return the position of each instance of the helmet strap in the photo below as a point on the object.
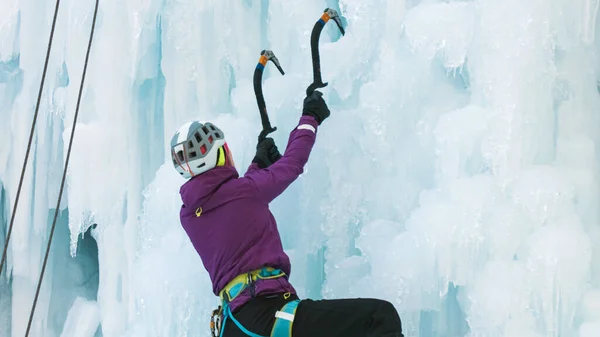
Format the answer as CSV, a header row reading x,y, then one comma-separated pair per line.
x,y
221,157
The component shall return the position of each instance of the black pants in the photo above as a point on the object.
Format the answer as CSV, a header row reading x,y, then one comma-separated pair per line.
x,y
324,318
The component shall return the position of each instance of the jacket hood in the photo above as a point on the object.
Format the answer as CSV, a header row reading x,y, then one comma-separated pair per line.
x,y
198,191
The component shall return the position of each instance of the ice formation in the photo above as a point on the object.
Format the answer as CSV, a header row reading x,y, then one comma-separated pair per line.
x,y
457,177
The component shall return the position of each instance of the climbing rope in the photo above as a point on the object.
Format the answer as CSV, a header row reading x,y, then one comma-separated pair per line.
x,y
62,184
37,109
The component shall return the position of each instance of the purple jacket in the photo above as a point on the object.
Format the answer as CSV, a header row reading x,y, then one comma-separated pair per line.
x,y
236,231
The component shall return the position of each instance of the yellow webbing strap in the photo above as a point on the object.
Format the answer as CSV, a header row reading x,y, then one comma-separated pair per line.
x,y
240,282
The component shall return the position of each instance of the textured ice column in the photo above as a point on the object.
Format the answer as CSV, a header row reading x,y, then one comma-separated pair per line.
x,y
510,63
83,319
500,295
515,77
25,27
203,59
577,150
458,136
354,140
9,26
21,76
589,13
11,77
468,222
441,28
380,155
591,309
5,284
105,180
177,304
558,261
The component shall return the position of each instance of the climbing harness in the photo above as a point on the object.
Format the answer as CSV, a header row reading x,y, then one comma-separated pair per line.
x,y
247,280
329,14
265,56
284,318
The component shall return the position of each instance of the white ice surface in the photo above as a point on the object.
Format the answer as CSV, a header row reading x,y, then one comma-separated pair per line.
x,y
457,177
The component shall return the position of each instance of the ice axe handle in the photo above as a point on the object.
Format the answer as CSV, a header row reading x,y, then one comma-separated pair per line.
x,y
314,86
265,56
265,132
314,47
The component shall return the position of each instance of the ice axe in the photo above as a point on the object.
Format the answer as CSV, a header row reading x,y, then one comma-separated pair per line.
x,y
314,47
265,56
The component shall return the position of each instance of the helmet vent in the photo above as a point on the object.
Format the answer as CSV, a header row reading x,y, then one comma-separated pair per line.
x,y
193,147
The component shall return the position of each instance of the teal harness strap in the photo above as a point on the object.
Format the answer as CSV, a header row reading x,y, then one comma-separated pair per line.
x,y
284,320
281,328
227,313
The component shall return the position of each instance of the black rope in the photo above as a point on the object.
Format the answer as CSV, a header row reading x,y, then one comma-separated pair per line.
x,y
37,109
62,184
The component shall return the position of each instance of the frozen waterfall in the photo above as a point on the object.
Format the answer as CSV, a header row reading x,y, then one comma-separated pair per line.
x,y
458,176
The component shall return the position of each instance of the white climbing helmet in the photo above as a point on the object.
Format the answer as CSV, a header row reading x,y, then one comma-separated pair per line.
x,y
197,147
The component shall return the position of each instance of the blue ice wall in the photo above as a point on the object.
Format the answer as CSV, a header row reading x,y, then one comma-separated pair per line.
x,y
452,178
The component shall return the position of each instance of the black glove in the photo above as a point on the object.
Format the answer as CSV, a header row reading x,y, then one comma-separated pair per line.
x,y
315,106
266,153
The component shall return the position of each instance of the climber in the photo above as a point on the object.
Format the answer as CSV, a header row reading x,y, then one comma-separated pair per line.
x,y
228,221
